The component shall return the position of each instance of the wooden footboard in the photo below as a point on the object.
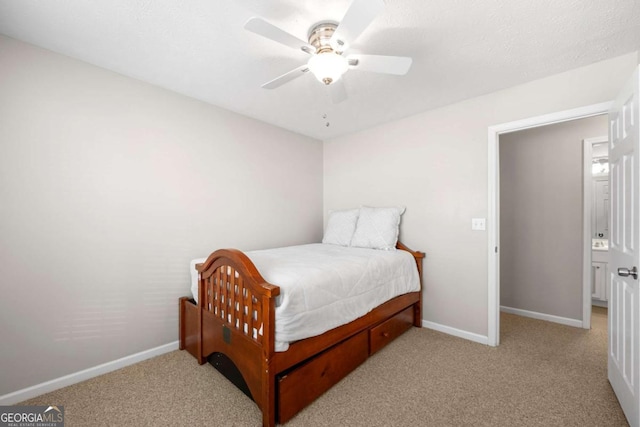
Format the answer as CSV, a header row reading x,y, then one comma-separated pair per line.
x,y
236,317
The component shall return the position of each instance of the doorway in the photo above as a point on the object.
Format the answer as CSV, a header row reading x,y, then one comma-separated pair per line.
x,y
596,219
494,207
541,221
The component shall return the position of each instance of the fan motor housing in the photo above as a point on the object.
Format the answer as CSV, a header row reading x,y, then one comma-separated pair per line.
x,y
320,36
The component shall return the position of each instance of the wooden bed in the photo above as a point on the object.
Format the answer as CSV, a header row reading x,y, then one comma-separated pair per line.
x,y
234,327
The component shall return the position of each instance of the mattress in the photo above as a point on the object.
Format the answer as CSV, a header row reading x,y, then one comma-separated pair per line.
x,y
324,286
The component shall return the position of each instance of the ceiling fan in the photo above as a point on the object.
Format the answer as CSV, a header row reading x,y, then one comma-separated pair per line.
x,y
327,43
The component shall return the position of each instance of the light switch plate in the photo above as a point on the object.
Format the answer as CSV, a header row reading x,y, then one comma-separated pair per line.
x,y
478,223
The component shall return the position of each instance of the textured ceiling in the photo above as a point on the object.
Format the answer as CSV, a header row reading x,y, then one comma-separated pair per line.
x,y
460,49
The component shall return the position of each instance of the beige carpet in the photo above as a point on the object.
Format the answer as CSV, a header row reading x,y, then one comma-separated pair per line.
x,y
599,318
542,374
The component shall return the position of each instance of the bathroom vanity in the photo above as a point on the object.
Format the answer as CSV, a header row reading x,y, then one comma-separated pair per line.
x,y
600,279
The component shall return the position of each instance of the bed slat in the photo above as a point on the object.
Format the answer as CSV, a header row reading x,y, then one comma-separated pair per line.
x,y
247,306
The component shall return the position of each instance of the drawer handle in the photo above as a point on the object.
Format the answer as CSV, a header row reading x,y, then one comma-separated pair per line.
x,y
385,334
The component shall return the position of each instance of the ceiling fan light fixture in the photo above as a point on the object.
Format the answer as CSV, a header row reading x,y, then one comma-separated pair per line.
x,y
328,66
327,44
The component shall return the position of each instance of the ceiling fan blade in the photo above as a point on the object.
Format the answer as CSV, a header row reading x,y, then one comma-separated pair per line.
x,y
358,17
270,31
338,91
398,65
286,77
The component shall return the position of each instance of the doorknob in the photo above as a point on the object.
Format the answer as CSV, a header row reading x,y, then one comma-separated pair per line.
x,y
624,272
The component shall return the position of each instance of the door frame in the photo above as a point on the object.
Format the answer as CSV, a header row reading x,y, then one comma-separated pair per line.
x,y
493,215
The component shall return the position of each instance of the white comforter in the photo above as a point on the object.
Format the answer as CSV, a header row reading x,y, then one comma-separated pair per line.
x,y
323,286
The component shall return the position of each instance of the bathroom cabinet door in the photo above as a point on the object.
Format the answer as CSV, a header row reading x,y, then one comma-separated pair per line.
x,y
599,281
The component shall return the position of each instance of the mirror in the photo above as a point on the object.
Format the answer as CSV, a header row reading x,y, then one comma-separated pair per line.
x,y
600,204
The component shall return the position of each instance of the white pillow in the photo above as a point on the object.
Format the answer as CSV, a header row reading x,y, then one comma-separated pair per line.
x,y
340,227
377,228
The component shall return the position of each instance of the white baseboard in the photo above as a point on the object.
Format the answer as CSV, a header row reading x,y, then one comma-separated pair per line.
x,y
55,384
481,339
541,316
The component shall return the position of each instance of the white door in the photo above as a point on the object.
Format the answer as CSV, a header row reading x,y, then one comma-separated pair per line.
x,y
624,254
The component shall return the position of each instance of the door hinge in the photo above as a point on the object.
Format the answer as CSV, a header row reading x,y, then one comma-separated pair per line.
x,y
496,249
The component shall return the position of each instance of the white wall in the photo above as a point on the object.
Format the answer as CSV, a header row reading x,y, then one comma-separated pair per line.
x,y
541,208
435,163
108,187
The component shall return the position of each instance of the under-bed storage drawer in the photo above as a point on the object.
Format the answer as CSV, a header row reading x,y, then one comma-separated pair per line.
x,y
390,329
304,384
